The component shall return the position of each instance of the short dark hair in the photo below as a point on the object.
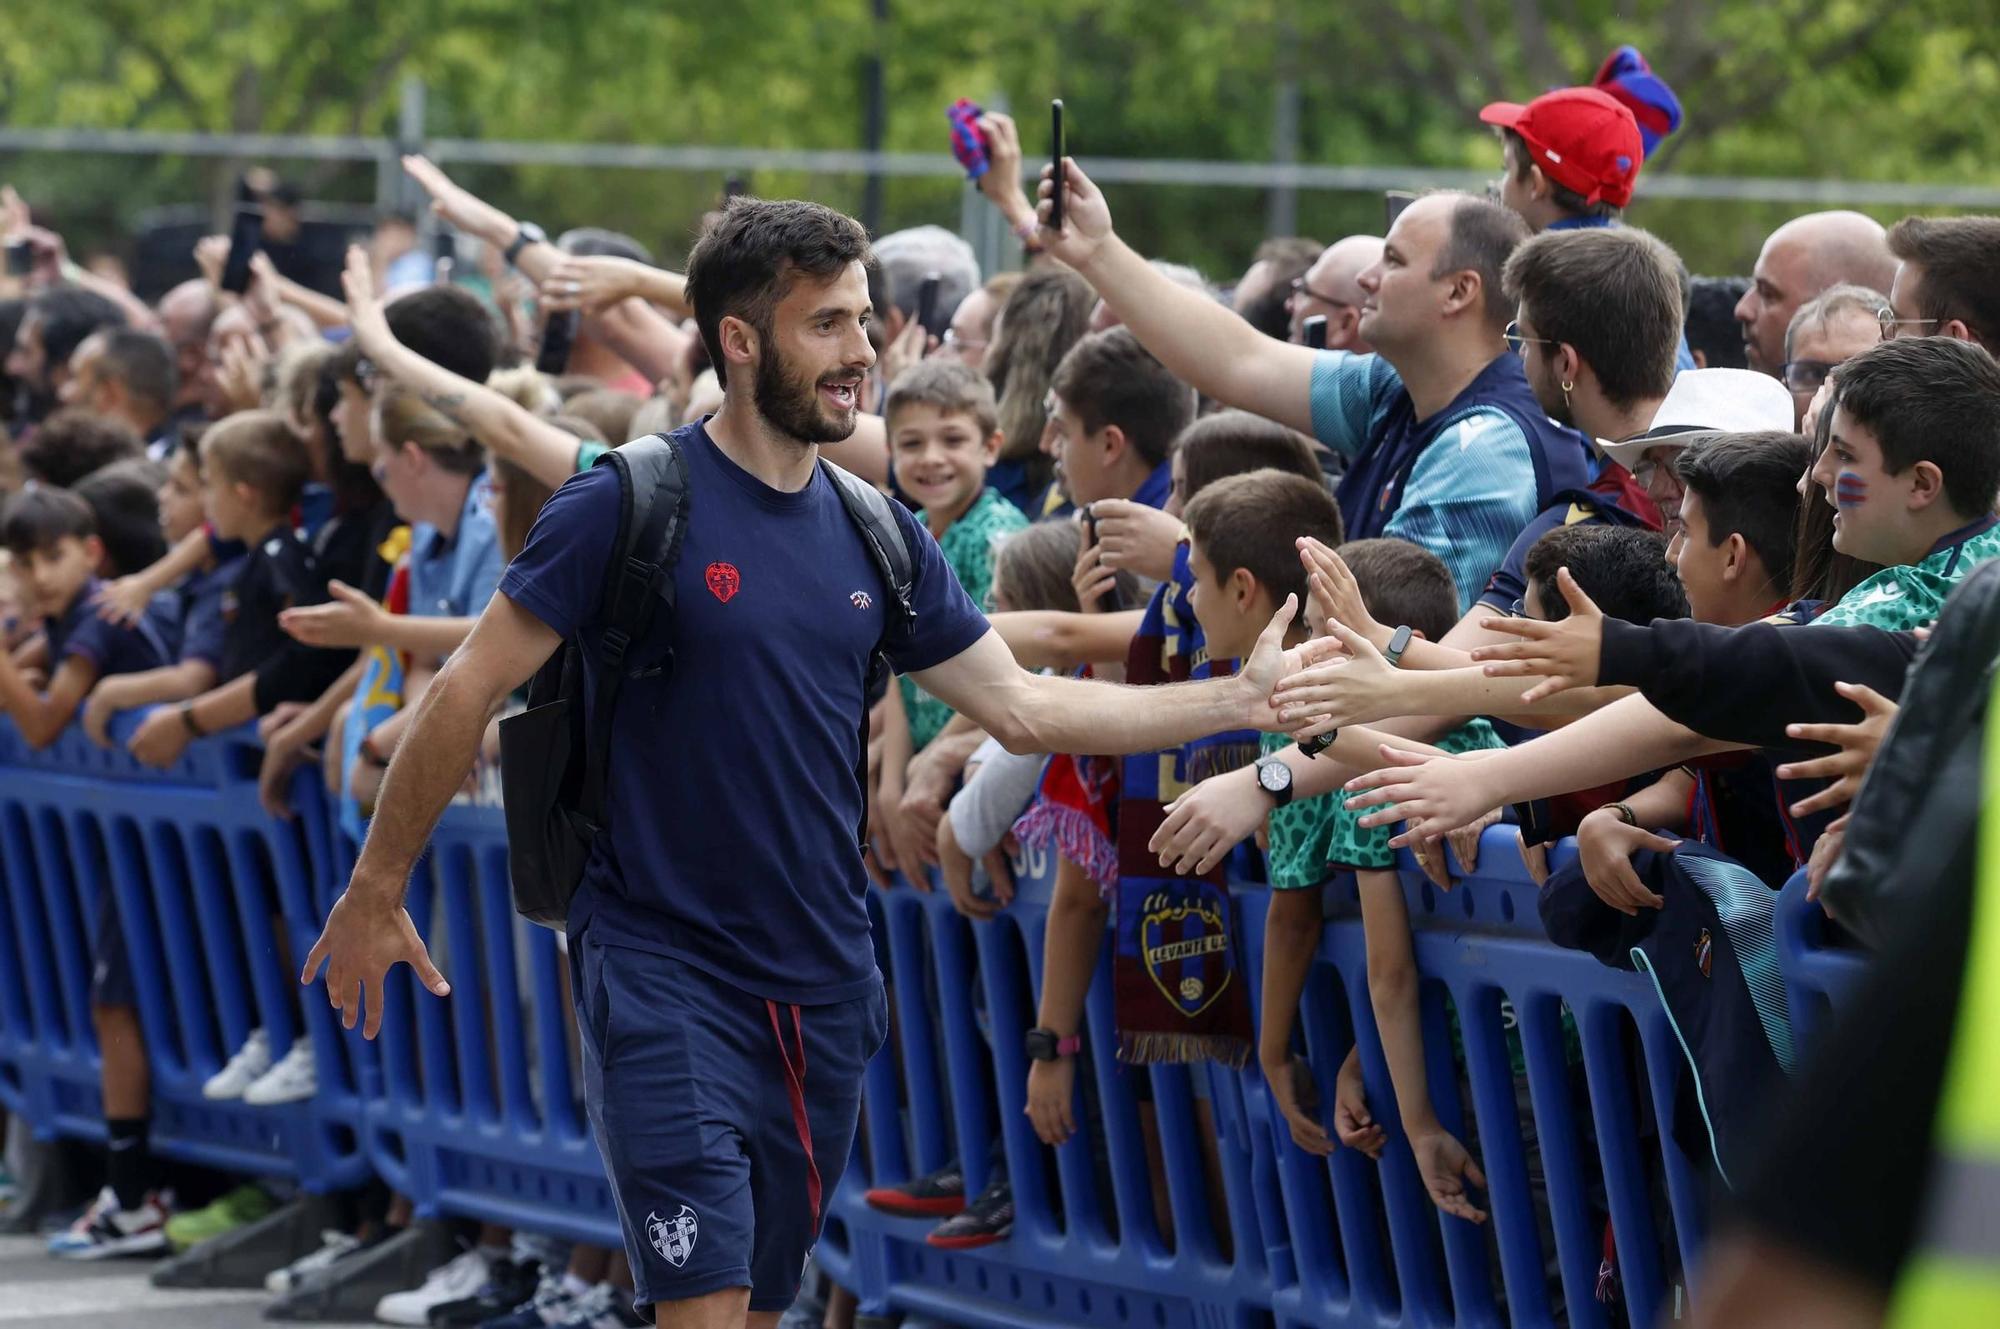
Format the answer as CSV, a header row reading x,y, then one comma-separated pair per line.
x,y
447,326
1255,521
40,515
72,443
68,314
1712,331
258,449
144,363
1934,399
597,242
1624,569
745,260
1108,378
1960,259
1481,237
1748,485
125,500
1613,293
1515,151
1289,257
1404,583
948,387
1233,442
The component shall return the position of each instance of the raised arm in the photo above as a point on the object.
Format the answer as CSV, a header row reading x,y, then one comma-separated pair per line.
x,y
1202,341
543,450
475,216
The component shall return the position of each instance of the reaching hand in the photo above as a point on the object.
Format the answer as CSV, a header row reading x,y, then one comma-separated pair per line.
x,y
362,942
211,252
1086,217
1434,795
1002,181
592,283
1825,853
161,739
1092,579
1605,844
1336,596
1352,1121
1267,664
1292,1087
1445,1167
1857,743
124,601
348,621
1563,654
365,314
1358,689
912,344
1135,538
1209,820
462,208
1051,1099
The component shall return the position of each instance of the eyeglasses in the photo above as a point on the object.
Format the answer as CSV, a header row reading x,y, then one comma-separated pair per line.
x,y
1890,323
953,342
1518,343
366,374
1300,288
1807,375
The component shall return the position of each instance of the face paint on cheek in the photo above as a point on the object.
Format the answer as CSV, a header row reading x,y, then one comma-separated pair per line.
x,y
1849,490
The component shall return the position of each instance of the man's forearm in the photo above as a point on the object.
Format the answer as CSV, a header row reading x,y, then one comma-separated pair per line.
x,y
1107,719
429,767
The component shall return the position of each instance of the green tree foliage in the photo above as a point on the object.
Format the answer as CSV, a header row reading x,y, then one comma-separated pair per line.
x,y
1849,89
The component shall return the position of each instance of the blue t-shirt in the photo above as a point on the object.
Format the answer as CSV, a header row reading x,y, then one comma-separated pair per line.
x,y
735,796
454,576
111,648
200,622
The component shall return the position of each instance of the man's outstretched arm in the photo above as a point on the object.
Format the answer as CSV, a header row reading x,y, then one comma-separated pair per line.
x,y
369,931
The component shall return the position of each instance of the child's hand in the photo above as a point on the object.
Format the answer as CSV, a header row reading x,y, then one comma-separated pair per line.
x,y
1534,857
1135,538
349,620
1445,1167
1857,744
1352,1121
97,713
279,716
1564,654
1335,596
1291,1087
955,866
1432,794
1359,688
1209,820
1605,844
123,601
161,739
1051,1095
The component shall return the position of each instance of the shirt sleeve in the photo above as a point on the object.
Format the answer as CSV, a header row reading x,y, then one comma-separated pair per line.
x,y
92,639
559,574
945,622
1345,390
587,453
483,577
1469,497
1508,585
986,808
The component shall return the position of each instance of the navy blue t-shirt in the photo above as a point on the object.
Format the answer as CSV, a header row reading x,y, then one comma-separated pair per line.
x,y
111,648
734,798
199,622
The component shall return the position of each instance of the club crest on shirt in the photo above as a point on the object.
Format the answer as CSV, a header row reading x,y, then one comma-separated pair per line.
x,y
861,600
672,1237
1704,953
724,581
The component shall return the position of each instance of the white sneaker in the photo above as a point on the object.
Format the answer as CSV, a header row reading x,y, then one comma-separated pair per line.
x,y
251,1060
288,1279
460,1278
294,1078
105,1230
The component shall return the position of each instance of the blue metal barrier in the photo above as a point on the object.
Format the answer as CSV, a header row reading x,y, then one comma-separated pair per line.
x,y
469,1105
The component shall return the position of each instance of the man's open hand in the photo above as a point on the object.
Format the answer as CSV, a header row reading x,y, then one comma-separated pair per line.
x,y
363,940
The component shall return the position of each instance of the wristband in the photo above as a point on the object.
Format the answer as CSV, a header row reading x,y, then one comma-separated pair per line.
x,y
193,725
1312,747
1624,812
1399,641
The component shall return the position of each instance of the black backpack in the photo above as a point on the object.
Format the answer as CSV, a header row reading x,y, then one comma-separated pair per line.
x,y
552,773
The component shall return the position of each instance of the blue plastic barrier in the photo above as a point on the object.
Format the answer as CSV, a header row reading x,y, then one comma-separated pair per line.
x,y
469,1105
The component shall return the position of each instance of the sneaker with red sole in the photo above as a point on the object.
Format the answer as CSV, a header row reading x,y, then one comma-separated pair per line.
x,y
940,1195
987,1220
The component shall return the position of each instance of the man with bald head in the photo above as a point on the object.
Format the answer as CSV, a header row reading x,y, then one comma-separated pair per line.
x,y
186,314
1331,289
1445,442
1803,257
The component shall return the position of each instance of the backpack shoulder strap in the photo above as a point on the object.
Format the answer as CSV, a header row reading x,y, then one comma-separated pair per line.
x,y
653,480
883,534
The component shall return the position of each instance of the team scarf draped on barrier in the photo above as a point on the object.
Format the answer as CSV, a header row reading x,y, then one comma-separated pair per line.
x,y
1178,988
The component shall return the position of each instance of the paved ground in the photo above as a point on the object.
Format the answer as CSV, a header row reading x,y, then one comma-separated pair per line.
x,y
36,1290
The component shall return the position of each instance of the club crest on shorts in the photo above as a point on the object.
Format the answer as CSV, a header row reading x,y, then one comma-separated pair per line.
x,y
672,1237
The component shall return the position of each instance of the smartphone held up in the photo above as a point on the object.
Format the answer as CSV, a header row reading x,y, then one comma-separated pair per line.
x,y
1058,149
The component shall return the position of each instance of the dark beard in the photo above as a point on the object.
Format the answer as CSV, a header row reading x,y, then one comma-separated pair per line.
x,y
791,405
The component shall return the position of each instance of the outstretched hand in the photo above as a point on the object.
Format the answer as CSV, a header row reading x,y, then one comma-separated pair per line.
x,y
365,315
349,620
457,205
1445,1166
1857,743
1563,654
1268,663
1433,795
1086,216
1335,594
361,943
1357,689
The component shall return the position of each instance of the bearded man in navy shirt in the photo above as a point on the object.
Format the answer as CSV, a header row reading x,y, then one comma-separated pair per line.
x,y
719,940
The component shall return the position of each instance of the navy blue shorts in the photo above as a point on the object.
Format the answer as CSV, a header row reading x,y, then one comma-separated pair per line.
x,y
110,967
725,1120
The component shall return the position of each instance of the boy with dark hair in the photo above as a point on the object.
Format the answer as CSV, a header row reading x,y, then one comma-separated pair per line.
x,y
1117,411
124,498
1572,157
53,540
1735,550
1624,569
71,444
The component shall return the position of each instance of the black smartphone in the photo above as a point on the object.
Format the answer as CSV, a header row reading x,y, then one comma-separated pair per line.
x,y
927,295
246,233
20,258
1058,149
1393,203
558,335
1109,600
1313,330
444,254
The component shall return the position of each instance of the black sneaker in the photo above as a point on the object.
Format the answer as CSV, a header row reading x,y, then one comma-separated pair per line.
x,y
988,1219
940,1195
508,1284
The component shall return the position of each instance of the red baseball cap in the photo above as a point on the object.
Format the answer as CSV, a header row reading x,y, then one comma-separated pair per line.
x,y
1584,139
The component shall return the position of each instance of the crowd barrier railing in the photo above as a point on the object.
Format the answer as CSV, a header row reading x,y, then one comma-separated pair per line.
x,y
1563,1072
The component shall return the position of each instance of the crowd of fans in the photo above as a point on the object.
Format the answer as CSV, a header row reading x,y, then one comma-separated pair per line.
x,y
1536,500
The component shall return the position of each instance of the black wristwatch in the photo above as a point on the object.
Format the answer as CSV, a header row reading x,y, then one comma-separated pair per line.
x,y
1275,778
1399,641
525,233
1046,1045
1312,747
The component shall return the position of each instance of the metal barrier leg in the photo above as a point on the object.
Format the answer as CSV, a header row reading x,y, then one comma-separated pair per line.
x,y
243,1257
350,1289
